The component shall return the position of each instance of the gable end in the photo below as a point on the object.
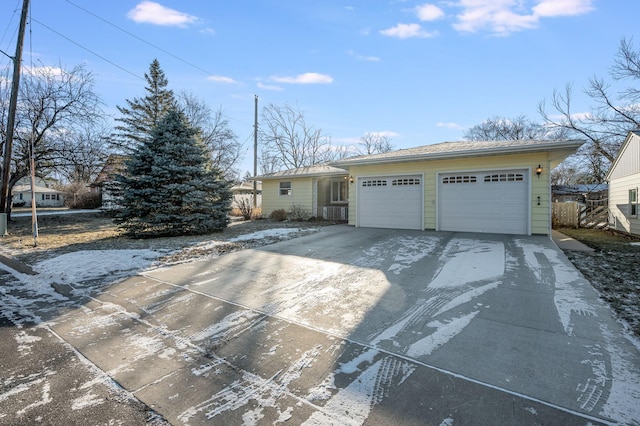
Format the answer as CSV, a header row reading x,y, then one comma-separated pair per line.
x,y
628,160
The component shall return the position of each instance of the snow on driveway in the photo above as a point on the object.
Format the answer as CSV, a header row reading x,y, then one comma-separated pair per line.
x,y
332,337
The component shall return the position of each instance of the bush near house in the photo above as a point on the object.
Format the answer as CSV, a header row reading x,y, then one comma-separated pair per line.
x,y
278,215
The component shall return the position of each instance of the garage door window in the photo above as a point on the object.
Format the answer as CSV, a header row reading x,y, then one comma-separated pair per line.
x,y
374,182
459,179
405,181
504,177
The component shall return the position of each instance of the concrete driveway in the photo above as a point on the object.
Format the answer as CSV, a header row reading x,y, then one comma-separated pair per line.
x,y
367,326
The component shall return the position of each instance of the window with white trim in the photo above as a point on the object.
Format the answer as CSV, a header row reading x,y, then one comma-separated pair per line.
x,y
285,188
339,191
633,202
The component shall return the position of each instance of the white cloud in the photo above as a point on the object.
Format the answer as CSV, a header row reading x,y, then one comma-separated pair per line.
x,y
269,87
407,31
429,12
503,17
368,58
562,7
221,79
154,13
454,126
387,133
306,78
44,70
363,57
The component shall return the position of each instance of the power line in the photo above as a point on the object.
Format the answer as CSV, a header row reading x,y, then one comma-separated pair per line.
x,y
139,38
88,50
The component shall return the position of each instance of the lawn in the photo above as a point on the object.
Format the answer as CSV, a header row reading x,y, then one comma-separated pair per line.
x,y
63,233
613,269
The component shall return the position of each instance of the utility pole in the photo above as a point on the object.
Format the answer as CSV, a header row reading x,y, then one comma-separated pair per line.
x,y
255,154
13,101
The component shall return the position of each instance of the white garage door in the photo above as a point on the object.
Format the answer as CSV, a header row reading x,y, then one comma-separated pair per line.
x,y
390,202
495,201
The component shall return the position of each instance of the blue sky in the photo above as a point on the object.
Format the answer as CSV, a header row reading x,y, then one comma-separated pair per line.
x,y
419,72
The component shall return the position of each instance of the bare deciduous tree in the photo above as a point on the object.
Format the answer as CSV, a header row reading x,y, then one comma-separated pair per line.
x,y
373,143
52,103
214,131
612,116
288,142
518,128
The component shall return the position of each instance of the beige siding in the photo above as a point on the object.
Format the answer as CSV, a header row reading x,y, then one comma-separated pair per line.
x,y
619,217
540,215
301,195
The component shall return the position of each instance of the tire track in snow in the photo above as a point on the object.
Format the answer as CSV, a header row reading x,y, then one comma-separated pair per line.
x,y
352,404
451,287
251,387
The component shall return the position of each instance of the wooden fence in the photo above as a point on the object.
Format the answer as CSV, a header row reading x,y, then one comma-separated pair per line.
x,y
594,214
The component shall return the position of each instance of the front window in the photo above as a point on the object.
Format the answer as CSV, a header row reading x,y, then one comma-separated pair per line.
x,y
633,202
339,191
285,189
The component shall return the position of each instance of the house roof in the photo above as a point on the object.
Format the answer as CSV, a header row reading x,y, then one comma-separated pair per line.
x,y
308,171
38,189
579,189
461,149
246,186
114,165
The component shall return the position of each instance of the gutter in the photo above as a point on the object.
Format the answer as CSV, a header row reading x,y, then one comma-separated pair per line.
x,y
573,144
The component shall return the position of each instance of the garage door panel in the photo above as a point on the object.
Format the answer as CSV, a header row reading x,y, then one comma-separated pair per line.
x,y
495,201
390,202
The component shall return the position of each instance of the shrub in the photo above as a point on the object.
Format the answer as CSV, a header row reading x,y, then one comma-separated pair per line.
x,y
245,206
278,215
84,200
298,213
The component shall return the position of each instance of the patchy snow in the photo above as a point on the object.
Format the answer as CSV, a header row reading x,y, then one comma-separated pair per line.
x,y
469,269
569,283
466,261
408,250
443,333
270,233
79,266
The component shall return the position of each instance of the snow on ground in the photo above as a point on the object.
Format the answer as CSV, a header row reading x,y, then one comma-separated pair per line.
x,y
468,270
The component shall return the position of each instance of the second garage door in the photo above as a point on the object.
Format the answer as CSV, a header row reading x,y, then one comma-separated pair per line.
x,y
495,201
390,202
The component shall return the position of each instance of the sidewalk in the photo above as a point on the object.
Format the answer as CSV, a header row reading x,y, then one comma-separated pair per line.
x,y
565,242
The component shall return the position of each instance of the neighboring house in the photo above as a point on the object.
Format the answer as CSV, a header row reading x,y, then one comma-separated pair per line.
x,y
45,196
320,191
244,192
581,193
106,179
469,186
624,187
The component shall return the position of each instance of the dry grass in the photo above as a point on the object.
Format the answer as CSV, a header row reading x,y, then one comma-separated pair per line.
x,y
65,233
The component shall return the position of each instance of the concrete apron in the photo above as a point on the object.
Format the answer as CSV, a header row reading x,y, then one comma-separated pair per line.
x,y
349,326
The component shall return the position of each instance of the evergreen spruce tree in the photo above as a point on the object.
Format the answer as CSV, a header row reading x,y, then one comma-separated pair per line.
x,y
170,186
143,114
